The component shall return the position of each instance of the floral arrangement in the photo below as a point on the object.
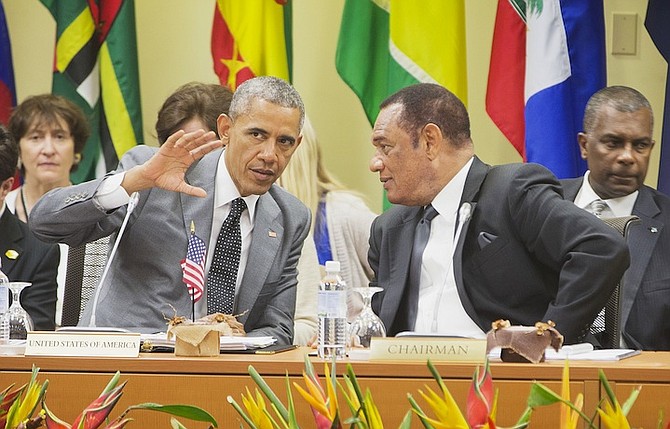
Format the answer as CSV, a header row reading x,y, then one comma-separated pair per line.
x,y
19,409
481,405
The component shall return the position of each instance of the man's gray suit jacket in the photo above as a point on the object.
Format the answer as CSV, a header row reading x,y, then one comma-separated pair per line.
x,y
645,299
145,277
525,255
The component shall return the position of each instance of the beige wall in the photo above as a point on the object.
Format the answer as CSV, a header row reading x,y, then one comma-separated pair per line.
x,y
173,44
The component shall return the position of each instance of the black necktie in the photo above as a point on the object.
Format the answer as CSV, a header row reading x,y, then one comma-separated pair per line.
x,y
222,274
421,235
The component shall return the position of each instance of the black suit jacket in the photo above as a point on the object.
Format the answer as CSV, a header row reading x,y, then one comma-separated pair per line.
x,y
32,261
525,255
645,307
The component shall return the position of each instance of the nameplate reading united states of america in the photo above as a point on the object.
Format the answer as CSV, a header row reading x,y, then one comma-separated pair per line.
x,y
90,344
433,348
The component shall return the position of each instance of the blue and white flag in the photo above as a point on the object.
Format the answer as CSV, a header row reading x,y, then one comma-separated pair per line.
x,y
564,56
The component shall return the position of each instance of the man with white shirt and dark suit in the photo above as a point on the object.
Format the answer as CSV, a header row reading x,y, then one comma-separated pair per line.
x,y
187,179
520,251
616,143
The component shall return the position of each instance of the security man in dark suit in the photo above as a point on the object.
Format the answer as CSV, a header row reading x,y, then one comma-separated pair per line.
x,y
616,143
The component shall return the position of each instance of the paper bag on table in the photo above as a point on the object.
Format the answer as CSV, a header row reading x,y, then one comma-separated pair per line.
x,y
201,338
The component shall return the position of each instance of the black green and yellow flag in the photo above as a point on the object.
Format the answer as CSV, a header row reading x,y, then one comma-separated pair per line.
x,y
386,45
95,66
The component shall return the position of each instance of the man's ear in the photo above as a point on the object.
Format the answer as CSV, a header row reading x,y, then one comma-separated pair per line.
x,y
432,135
5,187
223,125
582,139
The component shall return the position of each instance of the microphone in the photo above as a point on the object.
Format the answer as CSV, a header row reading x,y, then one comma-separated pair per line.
x,y
464,214
132,203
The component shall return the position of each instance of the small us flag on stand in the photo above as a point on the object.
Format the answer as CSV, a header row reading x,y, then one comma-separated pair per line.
x,y
194,266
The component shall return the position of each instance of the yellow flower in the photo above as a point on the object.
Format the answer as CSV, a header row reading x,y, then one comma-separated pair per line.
x,y
325,404
256,409
447,414
569,416
613,417
25,405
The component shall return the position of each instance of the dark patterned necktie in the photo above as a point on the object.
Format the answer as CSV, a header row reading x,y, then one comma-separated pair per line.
x,y
222,274
421,235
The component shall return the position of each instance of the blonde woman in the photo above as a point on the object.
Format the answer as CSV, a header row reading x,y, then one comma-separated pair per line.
x,y
340,223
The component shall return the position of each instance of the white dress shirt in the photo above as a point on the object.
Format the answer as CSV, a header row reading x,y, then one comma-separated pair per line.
x,y
616,207
440,309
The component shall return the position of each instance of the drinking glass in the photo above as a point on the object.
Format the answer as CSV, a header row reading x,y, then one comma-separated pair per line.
x,y
367,324
16,317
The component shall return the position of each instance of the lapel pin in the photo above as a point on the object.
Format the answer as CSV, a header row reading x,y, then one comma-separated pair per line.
x,y
272,234
653,229
12,254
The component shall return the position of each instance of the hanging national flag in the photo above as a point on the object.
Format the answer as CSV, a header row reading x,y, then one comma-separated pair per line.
x,y
547,59
7,89
193,266
658,17
387,45
251,38
95,66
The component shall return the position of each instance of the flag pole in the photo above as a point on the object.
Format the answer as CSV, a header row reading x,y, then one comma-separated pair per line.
x,y
192,295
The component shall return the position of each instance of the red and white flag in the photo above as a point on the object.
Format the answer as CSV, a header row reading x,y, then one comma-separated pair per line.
x,y
194,266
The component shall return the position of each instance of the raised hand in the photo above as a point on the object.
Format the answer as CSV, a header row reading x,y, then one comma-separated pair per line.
x,y
166,169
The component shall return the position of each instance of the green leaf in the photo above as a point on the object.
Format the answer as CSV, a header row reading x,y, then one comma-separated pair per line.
x,y
524,420
284,425
606,385
406,421
292,421
540,395
112,383
626,406
241,412
269,393
357,389
187,411
419,412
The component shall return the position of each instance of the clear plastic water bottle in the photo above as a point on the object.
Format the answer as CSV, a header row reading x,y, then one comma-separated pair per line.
x,y
332,309
4,305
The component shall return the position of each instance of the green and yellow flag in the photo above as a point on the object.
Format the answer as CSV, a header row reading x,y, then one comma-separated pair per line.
x,y
95,66
386,45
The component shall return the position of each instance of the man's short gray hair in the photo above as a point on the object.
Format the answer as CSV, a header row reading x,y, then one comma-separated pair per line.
x,y
269,88
622,98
